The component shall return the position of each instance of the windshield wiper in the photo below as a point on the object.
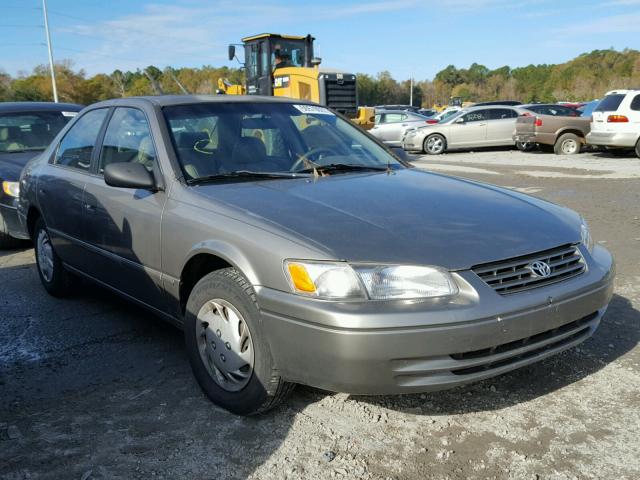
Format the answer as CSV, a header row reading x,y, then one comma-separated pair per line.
x,y
243,174
343,167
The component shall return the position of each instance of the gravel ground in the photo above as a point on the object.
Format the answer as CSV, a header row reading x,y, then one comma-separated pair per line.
x,y
92,387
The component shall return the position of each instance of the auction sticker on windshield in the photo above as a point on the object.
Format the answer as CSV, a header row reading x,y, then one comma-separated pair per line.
x,y
313,109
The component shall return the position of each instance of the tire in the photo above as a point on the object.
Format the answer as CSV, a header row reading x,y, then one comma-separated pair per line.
x,y
6,240
222,304
568,144
638,148
525,146
56,280
434,144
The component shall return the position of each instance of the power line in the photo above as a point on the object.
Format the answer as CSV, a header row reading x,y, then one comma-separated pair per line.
x,y
128,29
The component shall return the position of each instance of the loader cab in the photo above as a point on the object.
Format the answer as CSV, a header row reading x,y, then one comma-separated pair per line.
x,y
267,52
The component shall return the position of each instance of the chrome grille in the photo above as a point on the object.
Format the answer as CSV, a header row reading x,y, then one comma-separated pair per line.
x,y
515,275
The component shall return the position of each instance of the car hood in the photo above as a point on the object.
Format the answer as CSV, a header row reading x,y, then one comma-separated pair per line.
x,y
11,164
408,217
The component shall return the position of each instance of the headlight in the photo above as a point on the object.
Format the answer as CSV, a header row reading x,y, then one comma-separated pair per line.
x,y
404,281
11,188
585,235
338,280
323,280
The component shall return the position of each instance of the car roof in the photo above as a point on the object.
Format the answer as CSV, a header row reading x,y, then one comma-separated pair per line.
x,y
543,105
621,92
12,107
172,100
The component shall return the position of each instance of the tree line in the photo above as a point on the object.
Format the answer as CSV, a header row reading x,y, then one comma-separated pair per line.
x,y
586,77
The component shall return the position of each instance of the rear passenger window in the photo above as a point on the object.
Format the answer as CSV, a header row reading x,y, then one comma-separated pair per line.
x,y
76,147
635,103
393,118
501,113
128,139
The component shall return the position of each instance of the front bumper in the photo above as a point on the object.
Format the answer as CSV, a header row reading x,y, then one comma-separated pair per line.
x,y
412,143
613,139
404,347
9,212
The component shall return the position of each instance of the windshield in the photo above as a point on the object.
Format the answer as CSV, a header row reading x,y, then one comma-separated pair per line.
x,y
217,138
450,115
24,131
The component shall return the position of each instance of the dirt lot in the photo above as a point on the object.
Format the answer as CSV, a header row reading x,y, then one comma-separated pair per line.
x,y
94,388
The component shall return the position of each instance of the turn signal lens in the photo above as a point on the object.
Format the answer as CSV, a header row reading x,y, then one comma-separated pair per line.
x,y
11,188
538,122
300,278
617,119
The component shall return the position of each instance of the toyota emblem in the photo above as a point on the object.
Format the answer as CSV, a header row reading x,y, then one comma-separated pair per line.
x,y
540,269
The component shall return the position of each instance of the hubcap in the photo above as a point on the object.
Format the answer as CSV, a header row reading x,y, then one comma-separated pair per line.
x,y
225,344
45,255
569,146
434,145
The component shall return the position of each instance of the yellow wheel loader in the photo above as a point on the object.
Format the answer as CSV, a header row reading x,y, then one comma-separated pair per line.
x,y
284,66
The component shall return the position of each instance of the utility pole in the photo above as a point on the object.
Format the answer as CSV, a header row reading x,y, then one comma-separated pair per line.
x,y
53,72
411,91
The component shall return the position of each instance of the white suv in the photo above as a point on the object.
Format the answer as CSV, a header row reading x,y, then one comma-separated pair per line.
x,y
616,121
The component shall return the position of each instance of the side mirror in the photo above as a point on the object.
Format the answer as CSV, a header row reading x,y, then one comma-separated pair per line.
x,y
315,61
459,120
232,52
129,175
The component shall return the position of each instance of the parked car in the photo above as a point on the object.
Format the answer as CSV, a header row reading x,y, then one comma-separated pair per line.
x,y
551,109
390,125
587,109
565,134
616,121
469,128
26,129
511,103
293,248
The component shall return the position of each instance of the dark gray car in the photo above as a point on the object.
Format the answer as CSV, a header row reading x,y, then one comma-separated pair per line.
x,y
26,129
292,247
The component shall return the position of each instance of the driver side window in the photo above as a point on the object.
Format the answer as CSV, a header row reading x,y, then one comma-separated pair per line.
x,y
128,139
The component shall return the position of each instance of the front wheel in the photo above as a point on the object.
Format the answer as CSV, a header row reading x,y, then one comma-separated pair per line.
x,y
229,355
568,144
434,144
638,148
56,280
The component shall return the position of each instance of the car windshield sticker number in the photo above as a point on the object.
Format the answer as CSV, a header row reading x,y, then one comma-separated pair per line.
x,y
313,109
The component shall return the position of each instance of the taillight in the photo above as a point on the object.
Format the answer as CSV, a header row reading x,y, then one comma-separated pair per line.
x,y
617,119
431,122
538,122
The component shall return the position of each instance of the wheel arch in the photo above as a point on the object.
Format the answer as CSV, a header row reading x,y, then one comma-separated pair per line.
x,y
580,134
209,257
33,214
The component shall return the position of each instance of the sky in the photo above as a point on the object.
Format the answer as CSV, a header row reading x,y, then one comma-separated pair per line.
x,y
406,37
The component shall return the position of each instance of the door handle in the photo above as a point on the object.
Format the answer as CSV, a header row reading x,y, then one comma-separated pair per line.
x,y
405,124
482,124
89,208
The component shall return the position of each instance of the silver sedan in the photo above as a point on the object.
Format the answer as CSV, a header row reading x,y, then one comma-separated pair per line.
x,y
487,126
390,125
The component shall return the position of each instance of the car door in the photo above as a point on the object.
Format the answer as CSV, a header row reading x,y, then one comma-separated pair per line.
x,y
468,130
61,186
390,127
123,225
501,125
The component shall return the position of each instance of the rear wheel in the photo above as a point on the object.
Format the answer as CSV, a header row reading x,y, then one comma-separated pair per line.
x,y
6,240
434,144
568,144
638,148
56,280
229,355
525,146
